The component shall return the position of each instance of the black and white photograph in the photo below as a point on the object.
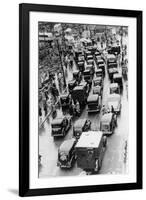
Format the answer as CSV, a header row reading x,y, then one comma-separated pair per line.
x,y
80,100
83,109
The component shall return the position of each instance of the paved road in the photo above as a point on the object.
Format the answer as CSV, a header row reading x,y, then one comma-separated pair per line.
x,y
114,159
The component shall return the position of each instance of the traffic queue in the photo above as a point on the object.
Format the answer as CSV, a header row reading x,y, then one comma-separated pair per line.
x,y
85,91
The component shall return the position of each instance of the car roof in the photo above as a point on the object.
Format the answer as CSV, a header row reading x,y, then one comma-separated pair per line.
x,y
88,70
67,145
117,75
111,96
113,70
80,62
83,83
79,87
111,56
76,71
101,64
58,120
71,81
106,117
89,65
97,78
90,139
113,85
98,70
92,97
80,123
64,95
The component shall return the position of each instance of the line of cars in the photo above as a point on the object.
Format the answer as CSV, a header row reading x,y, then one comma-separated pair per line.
x,y
87,147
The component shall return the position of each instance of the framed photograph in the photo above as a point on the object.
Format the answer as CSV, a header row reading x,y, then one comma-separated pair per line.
x,y
80,111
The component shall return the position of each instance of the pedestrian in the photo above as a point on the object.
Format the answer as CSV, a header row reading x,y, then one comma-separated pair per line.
x,y
71,109
77,107
112,109
45,108
103,109
40,115
71,61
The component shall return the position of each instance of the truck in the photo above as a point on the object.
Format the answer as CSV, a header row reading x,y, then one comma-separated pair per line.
x,y
94,103
79,94
90,149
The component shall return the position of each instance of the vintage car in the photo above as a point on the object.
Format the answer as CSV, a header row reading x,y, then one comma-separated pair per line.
x,y
117,78
99,73
81,58
111,73
111,58
90,67
108,123
79,93
114,88
89,57
114,50
77,75
93,103
81,66
90,150
112,65
114,101
81,125
90,62
100,61
97,90
98,81
65,100
102,66
66,154
77,54
86,86
88,75
60,126
71,85
97,53
92,49
88,53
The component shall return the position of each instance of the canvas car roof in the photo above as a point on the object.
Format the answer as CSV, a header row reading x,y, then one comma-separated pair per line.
x,y
76,71
113,70
83,83
80,123
64,95
106,117
58,120
117,75
79,87
90,139
98,70
72,81
114,96
67,145
97,78
92,97
111,56
114,85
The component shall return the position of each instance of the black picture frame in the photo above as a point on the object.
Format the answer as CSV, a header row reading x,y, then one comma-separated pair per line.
x,y
24,10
